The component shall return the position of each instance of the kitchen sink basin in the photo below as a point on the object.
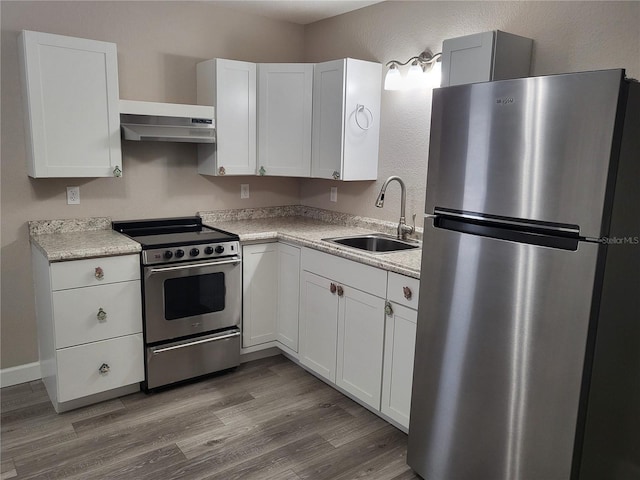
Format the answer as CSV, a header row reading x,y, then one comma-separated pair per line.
x,y
374,243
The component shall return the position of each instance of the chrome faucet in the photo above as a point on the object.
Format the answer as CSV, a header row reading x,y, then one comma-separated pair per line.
x,y
403,228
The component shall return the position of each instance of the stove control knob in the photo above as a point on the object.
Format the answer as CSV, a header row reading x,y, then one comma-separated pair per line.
x,y
168,254
194,252
208,250
219,249
179,253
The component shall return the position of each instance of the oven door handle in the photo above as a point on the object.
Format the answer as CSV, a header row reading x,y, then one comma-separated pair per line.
x,y
197,342
194,265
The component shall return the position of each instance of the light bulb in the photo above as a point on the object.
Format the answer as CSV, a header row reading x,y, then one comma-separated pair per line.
x,y
435,75
393,80
415,76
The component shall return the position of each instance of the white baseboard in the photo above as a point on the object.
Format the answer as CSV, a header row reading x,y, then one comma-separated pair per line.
x,y
20,374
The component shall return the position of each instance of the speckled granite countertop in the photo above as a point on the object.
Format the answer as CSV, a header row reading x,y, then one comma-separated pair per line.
x,y
75,239
309,232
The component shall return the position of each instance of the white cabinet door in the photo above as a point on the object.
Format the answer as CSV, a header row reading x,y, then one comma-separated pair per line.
x,y
260,293
399,346
229,86
288,295
71,96
318,325
284,119
346,119
360,344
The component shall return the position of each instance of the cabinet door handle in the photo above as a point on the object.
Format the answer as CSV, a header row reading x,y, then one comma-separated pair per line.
x,y
101,315
221,171
117,172
388,309
104,369
406,291
99,273
262,171
340,290
332,288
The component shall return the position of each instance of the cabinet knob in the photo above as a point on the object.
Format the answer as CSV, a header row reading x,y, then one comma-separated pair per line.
x,y
388,309
221,171
406,291
262,170
99,273
104,369
101,315
340,290
332,288
336,175
117,172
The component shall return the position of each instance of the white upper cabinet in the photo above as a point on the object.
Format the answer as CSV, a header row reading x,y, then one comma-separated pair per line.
x,y
346,119
483,57
70,92
284,119
229,86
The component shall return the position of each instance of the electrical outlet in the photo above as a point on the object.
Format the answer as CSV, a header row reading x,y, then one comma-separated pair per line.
x,y
244,190
73,195
334,194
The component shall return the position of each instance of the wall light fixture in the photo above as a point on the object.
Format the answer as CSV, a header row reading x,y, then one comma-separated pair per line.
x,y
425,71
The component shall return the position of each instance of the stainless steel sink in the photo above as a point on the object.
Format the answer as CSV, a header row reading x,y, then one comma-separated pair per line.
x,y
374,243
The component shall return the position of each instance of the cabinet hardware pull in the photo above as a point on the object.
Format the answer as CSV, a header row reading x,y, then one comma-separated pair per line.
x,y
99,273
362,108
262,171
101,315
388,309
332,288
221,171
340,290
117,172
407,293
336,175
104,368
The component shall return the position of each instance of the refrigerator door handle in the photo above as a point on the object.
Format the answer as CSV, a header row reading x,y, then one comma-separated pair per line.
x,y
550,228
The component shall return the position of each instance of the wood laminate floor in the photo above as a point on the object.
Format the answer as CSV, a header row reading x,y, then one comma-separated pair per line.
x,y
267,420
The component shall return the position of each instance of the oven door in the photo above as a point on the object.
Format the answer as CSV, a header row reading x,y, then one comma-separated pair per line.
x,y
191,298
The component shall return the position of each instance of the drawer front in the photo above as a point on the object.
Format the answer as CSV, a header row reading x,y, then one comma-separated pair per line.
x,y
90,314
79,367
341,270
403,290
94,271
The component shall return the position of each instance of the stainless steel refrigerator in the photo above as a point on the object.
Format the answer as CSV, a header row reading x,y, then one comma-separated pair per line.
x,y
527,362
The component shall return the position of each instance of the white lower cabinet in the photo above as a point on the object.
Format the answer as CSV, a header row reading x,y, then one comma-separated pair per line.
x,y
270,273
399,347
342,323
318,325
360,345
89,317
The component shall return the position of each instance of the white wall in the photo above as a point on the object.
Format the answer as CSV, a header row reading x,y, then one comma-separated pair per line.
x,y
568,37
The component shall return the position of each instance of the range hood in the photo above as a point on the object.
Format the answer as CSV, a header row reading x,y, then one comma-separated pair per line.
x,y
167,122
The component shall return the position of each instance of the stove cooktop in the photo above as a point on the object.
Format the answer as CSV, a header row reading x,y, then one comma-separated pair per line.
x,y
172,232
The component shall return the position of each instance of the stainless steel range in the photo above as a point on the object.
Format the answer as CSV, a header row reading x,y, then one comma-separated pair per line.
x,y
191,288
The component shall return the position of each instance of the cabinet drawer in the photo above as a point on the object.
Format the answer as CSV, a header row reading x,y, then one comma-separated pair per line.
x,y
85,273
77,317
400,287
78,367
363,277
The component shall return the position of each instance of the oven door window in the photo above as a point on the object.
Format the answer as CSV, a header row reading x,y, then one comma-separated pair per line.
x,y
194,295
